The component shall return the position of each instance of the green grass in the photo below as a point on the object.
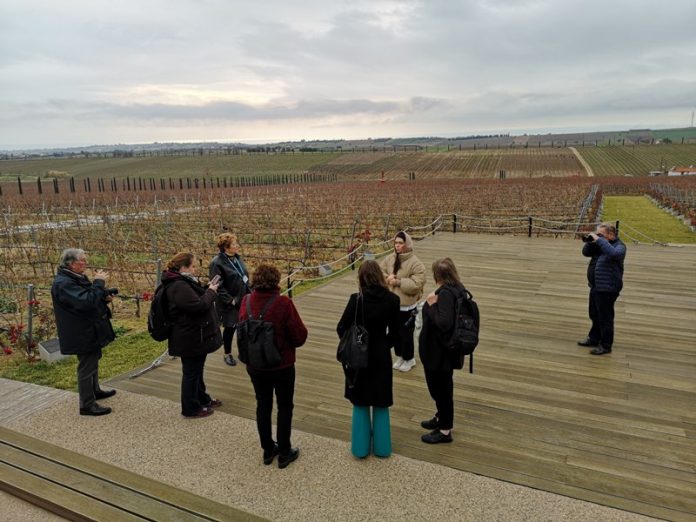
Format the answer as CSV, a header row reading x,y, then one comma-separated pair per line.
x,y
126,353
643,215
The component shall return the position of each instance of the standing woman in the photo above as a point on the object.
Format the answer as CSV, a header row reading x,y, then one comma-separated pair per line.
x,y
195,331
290,333
376,308
235,285
405,276
439,315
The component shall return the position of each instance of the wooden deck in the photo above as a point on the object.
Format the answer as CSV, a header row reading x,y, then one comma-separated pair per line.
x,y
618,430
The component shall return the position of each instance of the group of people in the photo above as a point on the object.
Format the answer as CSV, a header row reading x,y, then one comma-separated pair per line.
x,y
386,305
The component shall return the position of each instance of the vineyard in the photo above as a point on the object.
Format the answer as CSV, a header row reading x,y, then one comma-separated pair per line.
x,y
637,160
309,224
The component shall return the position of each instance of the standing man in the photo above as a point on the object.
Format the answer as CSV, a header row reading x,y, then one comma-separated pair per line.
x,y
605,278
84,326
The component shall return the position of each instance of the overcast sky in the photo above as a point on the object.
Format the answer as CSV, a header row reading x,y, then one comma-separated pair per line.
x,y
102,72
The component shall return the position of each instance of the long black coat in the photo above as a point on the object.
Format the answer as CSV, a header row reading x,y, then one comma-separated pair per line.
x,y
82,315
373,385
232,288
191,308
438,326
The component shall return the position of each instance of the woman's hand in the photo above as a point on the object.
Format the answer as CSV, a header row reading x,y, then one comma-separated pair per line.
x,y
214,286
432,298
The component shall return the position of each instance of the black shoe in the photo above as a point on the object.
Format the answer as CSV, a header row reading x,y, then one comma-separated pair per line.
x,y
284,460
269,455
203,412
436,437
588,342
229,360
601,350
95,410
214,403
104,394
431,424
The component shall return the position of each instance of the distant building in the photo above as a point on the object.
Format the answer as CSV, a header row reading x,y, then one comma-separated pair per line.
x,y
682,171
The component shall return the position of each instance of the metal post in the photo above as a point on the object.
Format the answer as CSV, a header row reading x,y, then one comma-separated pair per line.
x,y
454,223
617,228
529,233
30,320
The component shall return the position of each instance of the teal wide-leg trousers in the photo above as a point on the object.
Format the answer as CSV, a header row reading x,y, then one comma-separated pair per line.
x,y
372,433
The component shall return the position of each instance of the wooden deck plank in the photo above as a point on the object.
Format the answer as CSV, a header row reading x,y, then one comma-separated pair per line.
x,y
619,430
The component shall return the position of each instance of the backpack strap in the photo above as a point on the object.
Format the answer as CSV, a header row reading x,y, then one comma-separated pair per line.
x,y
265,308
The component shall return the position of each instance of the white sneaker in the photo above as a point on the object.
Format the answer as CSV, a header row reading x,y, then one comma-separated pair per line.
x,y
407,365
398,363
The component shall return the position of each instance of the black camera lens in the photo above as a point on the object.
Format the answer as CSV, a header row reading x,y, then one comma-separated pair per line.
x,y
587,238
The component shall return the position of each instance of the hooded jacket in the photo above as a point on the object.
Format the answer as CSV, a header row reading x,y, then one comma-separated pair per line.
x,y
411,273
191,308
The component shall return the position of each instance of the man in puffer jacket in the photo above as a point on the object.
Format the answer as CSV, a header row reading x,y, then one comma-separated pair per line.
x,y
605,278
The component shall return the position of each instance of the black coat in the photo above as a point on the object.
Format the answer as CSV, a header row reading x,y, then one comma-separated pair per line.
x,y
82,314
605,271
438,326
373,385
191,308
232,288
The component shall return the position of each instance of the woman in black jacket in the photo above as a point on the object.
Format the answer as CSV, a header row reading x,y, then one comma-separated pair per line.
x,y
195,331
377,309
439,313
235,285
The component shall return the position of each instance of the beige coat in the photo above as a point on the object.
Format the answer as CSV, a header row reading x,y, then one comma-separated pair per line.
x,y
412,276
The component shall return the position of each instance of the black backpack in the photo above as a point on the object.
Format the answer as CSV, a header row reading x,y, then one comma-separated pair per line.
x,y
256,339
158,322
465,335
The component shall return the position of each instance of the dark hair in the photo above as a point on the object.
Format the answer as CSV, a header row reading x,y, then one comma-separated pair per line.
x,y
179,261
225,240
370,274
397,259
265,277
445,272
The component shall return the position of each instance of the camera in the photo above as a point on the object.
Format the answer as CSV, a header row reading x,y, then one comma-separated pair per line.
x,y
111,291
586,238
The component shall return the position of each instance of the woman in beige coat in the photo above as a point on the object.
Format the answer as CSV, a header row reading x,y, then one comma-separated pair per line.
x,y
405,276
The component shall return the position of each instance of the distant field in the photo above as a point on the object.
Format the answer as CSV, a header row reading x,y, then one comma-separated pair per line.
x,y
638,160
166,166
517,162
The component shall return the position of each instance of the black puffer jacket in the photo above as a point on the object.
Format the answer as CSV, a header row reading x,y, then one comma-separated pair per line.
x,y
82,315
191,307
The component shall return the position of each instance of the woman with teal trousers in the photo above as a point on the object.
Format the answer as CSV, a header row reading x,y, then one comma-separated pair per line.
x,y
370,389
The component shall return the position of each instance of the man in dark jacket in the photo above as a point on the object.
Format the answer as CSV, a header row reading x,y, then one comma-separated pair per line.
x,y
605,278
84,326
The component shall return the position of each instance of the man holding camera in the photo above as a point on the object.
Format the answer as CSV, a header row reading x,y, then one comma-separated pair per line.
x,y
83,322
605,278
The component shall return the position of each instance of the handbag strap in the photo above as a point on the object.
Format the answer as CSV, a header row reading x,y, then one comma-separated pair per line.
x,y
357,304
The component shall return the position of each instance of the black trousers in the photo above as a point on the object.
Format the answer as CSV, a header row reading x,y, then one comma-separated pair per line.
x,y
601,311
88,377
405,348
265,383
193,394
441,388
227,334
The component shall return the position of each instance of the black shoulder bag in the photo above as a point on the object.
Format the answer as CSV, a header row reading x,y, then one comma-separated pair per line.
x,y
352,350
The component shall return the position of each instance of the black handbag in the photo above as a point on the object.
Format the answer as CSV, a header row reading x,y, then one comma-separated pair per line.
x,y
352,350
256,339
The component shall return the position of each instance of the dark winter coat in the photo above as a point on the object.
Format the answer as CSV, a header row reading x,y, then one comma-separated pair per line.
x,y
232,288
373,385
191,308
82,314
605,271
438,326
290,332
